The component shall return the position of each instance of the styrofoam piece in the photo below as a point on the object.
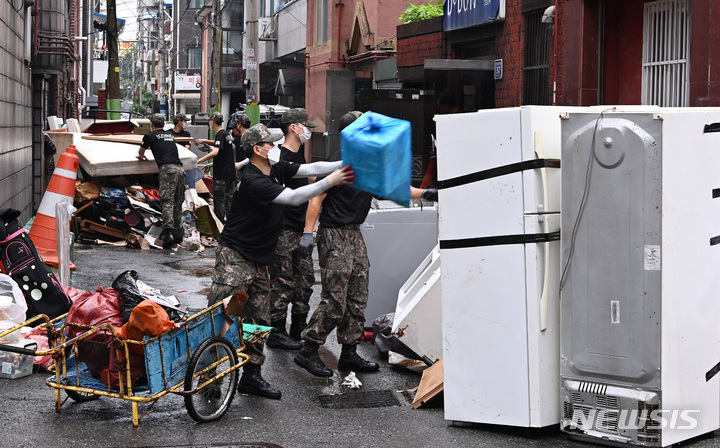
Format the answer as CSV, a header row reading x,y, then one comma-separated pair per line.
x,y
418,315
99,158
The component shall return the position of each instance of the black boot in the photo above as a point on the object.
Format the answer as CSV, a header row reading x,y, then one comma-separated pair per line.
x,y
280,339
309,359
253,383
351,361
166,238
299,322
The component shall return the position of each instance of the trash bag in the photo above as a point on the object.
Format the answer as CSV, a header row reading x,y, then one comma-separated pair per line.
x,y
126,284
12,303
385,341
379,149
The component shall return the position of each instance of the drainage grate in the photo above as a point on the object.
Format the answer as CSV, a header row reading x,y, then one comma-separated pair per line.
x,y
222,445
366,399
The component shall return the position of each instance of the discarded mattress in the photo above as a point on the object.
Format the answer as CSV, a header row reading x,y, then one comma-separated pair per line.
x,y
99,158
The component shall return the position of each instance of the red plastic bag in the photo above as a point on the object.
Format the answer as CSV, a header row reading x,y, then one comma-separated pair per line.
x,y
96,308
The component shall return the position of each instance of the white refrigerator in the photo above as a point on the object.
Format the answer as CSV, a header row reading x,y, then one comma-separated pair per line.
x,y
641,242
499,222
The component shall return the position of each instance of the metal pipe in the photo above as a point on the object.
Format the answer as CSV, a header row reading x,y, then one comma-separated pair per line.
x,y
555,51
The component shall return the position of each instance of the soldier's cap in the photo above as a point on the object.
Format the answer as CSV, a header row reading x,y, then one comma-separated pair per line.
x,y
179,117
258,134
297,115
348,118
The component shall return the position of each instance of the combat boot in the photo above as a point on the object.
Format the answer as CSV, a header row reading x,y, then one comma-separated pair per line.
x,y
309,359
280,339
253,383
167,239
351,361
298,324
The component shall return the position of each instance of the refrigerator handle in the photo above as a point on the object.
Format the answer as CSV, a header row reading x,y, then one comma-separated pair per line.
x,y
540,153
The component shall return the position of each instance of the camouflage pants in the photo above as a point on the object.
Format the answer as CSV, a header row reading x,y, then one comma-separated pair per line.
x,y
292,277
172,195
223,190
344,268
234,273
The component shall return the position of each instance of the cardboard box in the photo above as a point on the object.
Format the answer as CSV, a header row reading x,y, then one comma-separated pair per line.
x,y
14,365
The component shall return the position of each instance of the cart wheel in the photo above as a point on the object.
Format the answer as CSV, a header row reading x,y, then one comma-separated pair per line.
x,y
81,397
211,402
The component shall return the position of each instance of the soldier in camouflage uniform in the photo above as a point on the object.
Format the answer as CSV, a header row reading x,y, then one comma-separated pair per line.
x,y
344,268
247,243
223,155
171,178
292,274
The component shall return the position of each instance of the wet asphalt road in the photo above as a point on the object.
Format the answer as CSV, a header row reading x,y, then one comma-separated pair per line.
x,y
28,417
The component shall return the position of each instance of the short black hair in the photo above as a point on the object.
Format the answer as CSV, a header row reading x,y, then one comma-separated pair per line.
x,y
285,128
217,118
157,120
242,120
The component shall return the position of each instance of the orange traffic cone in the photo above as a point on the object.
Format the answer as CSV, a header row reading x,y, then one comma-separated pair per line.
x,y
62,184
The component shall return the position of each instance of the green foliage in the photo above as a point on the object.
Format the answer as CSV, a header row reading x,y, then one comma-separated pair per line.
x,y
143,104
416,13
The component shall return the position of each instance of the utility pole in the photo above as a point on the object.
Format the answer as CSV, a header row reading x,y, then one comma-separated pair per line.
x,y
163,53
252,94
113,75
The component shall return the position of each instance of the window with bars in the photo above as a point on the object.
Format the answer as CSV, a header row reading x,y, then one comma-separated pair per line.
x,y
536,88
666,53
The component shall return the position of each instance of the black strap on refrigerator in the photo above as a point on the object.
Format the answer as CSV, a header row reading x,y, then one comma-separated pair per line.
x,y
502,240
499,171
713,127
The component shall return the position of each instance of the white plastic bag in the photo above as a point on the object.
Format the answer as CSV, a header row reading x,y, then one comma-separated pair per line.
x,y
12,303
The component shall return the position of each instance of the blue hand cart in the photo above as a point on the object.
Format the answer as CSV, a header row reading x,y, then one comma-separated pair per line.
x,y
198,360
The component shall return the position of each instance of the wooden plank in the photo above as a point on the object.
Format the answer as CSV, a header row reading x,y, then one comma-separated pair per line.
x,y
431,384
127,138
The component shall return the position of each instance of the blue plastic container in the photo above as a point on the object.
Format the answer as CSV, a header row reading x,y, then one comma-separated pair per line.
x,y
379,149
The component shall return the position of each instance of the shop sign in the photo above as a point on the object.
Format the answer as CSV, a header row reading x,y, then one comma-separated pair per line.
x,y
464,13
187,82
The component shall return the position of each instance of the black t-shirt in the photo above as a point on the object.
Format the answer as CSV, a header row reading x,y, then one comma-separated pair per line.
x,y
163,146
344,204
239,151
294,214
224,161
182,133
254,223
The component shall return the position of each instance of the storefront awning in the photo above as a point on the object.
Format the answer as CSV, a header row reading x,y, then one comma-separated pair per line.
x,y
187,96
459,64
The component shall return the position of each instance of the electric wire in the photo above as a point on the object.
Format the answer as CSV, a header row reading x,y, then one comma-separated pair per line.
x,y
583,200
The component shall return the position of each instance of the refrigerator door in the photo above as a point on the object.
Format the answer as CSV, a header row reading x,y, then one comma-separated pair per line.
x,y
470,143
611,294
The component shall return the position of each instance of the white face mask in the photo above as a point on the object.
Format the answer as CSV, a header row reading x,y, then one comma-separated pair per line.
x,y
273,155
184,124
305,135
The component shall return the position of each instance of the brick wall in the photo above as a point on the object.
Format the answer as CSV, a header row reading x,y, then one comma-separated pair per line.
x,y
16,113
416,42
102,104
509,48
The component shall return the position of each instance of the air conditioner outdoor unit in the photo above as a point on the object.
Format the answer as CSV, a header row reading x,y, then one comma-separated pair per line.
x,y
267,28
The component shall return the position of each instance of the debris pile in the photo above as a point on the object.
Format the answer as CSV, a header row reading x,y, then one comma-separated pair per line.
x,y
132,216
